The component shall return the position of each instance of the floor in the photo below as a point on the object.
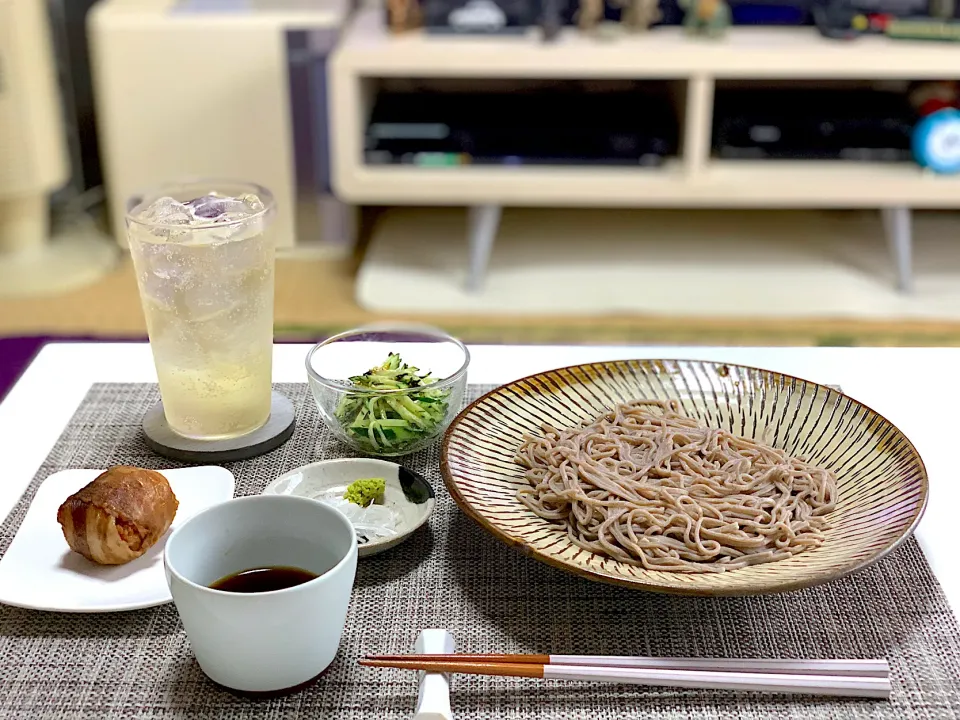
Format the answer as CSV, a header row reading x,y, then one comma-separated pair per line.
x,y
309,293
316,297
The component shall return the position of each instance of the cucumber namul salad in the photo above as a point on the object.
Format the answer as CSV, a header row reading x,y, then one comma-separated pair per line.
x,y
401,411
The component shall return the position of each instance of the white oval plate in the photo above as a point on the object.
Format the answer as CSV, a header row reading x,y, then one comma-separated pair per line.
x,y
39,571
407,493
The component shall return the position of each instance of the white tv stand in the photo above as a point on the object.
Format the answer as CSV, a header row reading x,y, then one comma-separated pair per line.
x,y
368,53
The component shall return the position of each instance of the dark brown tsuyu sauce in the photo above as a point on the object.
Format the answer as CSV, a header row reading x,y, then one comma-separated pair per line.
x,y
265,579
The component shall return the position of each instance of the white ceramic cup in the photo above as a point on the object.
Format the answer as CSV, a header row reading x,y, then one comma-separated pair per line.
x,y
269,641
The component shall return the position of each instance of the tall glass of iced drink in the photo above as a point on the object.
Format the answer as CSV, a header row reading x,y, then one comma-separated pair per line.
x,y
204,258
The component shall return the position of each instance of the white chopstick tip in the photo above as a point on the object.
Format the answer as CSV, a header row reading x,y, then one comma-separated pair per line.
x,y
845,686
856,668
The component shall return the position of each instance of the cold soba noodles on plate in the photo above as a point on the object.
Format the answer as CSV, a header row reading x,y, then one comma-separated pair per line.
x,y
647,485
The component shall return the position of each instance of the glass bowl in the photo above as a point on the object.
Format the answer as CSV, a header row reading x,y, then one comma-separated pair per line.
x,y
382,421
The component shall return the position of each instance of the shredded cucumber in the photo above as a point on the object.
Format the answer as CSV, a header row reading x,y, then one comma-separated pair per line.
x,y
391,423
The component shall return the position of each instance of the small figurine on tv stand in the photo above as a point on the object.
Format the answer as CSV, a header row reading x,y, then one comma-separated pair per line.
x,y
936,137
943,9
636,15
639,15
929,96
936,142
403,15
589,14
705,17
551,21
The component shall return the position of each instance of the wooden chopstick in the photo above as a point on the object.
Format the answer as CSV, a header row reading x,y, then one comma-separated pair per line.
x,y
839,668
850,686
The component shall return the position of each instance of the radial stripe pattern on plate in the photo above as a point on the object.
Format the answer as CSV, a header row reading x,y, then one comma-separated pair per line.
x,y
882,481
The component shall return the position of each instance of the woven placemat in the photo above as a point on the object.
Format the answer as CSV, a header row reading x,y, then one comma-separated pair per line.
x,y
139,664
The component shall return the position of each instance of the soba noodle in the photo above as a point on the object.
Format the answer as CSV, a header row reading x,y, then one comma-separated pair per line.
x,y
647,485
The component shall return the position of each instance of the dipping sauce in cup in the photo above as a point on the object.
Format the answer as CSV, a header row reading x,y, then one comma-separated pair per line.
x,y
272,636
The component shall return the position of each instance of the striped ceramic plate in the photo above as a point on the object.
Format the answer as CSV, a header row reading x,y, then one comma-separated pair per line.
x,y
882,480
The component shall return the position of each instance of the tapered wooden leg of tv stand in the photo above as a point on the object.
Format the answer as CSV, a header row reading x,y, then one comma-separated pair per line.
x,y
897,224
483,222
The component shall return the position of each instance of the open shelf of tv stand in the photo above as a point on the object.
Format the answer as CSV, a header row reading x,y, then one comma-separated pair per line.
x,y
368,53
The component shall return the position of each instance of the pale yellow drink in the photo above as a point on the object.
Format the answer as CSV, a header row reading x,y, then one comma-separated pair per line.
x,y
206,283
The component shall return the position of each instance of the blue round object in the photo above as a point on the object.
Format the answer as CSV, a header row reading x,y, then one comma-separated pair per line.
x,y
936,141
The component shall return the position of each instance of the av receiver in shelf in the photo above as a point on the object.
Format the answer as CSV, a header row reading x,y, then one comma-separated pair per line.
x,y
537,128
799,124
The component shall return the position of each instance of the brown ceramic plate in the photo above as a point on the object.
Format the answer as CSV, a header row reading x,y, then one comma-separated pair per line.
x,y
882,481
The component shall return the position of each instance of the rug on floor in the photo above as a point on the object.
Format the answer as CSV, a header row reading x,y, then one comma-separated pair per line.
x,y
651,331
730,265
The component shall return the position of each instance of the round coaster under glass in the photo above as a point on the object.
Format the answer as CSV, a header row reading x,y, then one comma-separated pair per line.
x,y
164,441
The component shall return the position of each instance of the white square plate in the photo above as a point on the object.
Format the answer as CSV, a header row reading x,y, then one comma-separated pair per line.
x,y
39,571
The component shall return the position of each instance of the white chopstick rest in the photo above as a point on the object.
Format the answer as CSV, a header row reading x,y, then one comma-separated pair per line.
x,y
433,697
